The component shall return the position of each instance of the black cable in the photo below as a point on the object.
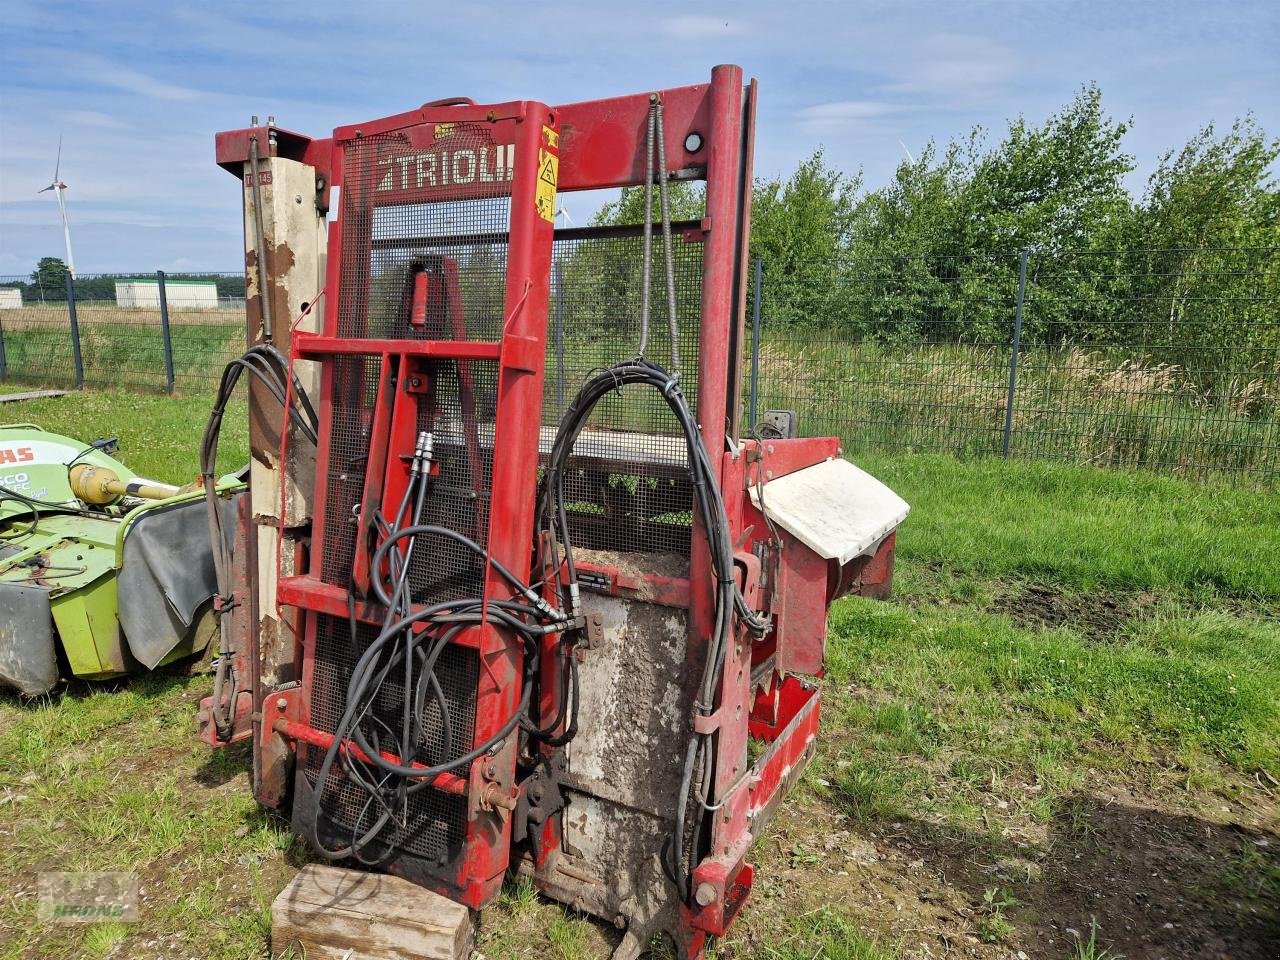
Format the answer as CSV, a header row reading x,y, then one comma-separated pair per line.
x,y
709,503
403,650
269,367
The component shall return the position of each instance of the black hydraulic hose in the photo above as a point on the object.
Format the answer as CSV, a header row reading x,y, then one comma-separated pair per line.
x,y
269,367
709,503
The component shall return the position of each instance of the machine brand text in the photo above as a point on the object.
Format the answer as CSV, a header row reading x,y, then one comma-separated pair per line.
x,y
16,455
444,168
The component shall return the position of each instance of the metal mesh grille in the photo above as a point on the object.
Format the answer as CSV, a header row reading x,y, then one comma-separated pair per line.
x,y
436,824
459,409
445,211
629,490
461,415
355,384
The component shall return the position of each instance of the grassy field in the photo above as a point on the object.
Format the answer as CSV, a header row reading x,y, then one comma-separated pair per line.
x,y
1061,737
121,347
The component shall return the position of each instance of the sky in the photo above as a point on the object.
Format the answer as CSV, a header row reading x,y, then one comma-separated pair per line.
x,y
137,89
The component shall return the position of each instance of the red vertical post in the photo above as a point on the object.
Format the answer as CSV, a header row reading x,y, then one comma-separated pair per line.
x,y
515,462
717,377
720,255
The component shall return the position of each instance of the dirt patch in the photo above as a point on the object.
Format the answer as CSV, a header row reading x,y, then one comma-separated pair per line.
x,y
1098,614
1200,882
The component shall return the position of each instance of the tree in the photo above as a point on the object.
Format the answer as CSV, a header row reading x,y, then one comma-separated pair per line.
x,y
802,228
1204,237
1052,186
686,200
808,217
49,279
1215,192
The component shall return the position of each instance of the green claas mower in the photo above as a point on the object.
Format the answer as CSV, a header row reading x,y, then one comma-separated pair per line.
x,y
102,572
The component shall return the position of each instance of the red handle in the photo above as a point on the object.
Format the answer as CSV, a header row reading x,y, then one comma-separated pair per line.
x,y
449,102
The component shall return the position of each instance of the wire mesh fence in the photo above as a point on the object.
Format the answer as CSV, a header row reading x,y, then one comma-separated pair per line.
x,y
143,331
1160,359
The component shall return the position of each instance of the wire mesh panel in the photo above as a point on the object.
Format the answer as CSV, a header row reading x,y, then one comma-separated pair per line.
x,y
460,413
459,237
205,336
436,823
891,354
120,329
35,329
628,487
1158,359
424,239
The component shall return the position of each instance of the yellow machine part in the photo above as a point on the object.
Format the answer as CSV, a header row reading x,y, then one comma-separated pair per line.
x,y
102,485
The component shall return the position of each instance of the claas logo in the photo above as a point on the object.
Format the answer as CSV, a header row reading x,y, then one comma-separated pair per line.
x,y
16,454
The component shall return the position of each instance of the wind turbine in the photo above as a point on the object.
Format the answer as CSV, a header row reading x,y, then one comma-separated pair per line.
x,y
58,187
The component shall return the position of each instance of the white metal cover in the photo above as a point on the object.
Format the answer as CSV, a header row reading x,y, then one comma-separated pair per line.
x,y
833,508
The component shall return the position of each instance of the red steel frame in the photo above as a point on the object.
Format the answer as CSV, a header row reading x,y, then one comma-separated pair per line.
x,y
519,356
602,145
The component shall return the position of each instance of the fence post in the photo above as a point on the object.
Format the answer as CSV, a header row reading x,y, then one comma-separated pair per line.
x,y
75,331
4,360
755,339
1013,355
164,333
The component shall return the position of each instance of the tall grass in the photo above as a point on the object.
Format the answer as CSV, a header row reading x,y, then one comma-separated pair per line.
x,y
1101,406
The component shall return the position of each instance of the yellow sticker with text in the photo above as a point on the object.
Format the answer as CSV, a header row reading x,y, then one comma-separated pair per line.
x,y
548,174
551,137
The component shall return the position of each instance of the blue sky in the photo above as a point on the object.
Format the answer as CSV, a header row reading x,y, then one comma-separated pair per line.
x,y
138,89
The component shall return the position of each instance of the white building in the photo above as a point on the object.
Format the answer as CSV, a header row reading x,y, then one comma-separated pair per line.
x,y
10,298
181,294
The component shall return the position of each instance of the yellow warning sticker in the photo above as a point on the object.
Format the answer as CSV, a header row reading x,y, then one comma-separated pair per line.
x,y
444,130
551,138
548,174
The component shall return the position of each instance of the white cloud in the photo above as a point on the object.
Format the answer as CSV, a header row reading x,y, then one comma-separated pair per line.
x,y
93,118
956,66
845,115
851,110
103,74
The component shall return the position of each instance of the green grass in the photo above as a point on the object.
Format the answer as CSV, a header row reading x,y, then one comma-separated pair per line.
x,y
1085,528
109,778
159,435
953,695
827,934
946,709
122,347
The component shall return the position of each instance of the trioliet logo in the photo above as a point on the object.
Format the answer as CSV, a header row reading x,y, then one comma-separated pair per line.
x,y
444,168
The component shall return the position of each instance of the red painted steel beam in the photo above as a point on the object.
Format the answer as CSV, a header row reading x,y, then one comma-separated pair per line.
x,y
446,782
319,346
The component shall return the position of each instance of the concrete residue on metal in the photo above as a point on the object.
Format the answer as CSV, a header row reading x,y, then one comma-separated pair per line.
x,y
620,782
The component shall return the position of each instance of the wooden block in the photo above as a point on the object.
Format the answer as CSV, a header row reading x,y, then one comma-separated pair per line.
x,y
328,913
31,395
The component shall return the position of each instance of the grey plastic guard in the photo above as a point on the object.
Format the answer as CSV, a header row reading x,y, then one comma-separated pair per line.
x,y
166,575
27,659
